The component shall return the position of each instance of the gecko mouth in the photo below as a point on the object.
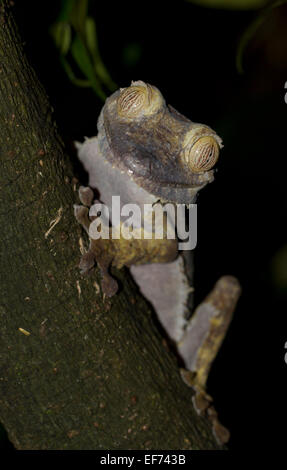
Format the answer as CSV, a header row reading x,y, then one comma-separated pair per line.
x,y
176,194
196,181
180,193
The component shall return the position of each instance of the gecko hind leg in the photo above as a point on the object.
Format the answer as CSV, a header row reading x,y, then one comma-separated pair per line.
x,y
201,341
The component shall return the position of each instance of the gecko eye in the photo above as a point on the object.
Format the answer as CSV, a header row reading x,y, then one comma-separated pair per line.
x,y
201,155
140,99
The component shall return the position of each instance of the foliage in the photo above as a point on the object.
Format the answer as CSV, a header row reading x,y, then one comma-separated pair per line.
x,y
75,35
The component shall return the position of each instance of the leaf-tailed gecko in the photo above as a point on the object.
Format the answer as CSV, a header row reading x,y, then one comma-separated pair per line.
x,y
146,152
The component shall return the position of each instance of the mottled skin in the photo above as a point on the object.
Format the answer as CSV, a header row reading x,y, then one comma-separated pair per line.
x,y
147,152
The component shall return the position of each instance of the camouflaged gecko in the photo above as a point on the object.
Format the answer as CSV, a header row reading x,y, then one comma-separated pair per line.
x,y
146,152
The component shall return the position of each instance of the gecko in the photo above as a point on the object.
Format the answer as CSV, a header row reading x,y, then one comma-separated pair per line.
x,y
148,153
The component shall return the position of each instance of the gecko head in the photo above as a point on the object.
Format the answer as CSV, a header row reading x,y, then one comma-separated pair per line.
x,y
162,151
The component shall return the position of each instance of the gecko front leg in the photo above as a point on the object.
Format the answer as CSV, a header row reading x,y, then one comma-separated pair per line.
x,y
99,251
140,248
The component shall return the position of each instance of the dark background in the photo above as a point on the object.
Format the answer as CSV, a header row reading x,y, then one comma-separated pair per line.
x,y
189,53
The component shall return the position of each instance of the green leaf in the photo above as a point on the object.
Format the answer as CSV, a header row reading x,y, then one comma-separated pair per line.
x,y
92,44
83,60
62,35
81,57
79,14
69,71
91,35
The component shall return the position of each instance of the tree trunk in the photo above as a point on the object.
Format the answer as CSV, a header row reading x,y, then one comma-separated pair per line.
x,y
77,371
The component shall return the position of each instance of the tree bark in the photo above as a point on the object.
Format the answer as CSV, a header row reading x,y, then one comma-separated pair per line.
x,y
77,371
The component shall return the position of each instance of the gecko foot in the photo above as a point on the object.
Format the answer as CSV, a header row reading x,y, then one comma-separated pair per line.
x,y
100,251
202,403
87,262
86,195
